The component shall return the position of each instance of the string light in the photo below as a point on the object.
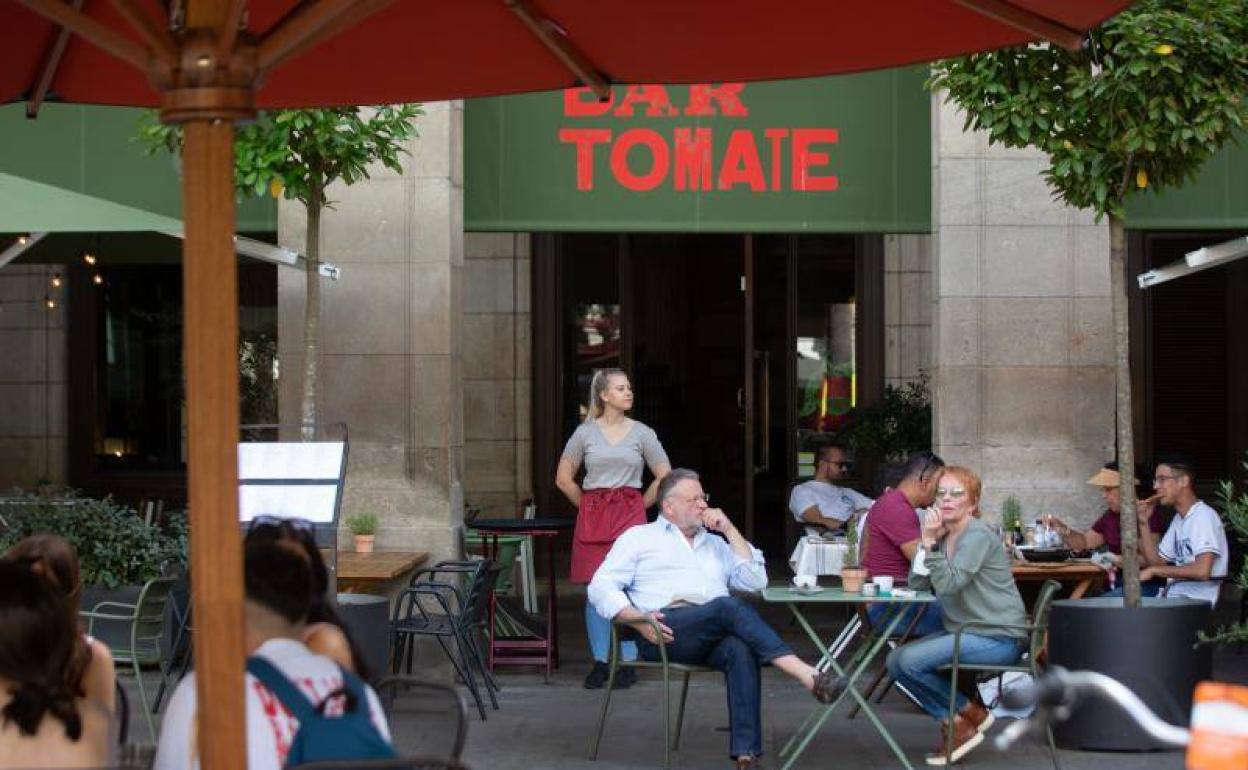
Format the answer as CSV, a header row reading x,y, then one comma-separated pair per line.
x,y
56,280
49,303
22,239
89,258
97,279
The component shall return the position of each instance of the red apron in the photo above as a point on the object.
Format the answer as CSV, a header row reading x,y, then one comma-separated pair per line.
x,y
603,515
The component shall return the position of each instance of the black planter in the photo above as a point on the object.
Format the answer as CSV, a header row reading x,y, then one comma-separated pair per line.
x,y
1151,649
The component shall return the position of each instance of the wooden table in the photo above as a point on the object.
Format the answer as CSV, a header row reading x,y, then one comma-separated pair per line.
x,y
1081,573
369,573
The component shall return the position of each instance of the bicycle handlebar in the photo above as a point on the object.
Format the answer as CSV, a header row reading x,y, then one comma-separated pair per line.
x,y
1057,692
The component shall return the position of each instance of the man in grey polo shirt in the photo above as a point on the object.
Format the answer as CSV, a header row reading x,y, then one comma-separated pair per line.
x,y
820,502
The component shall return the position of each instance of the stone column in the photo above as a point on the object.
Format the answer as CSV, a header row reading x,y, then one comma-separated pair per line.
x,y
907,307
1023,353
391,327
32,377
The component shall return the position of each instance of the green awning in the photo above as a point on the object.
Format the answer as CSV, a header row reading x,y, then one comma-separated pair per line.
x,y
1216,200
836,154
77,168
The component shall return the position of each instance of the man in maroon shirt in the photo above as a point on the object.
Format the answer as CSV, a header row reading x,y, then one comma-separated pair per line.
x,y
892,533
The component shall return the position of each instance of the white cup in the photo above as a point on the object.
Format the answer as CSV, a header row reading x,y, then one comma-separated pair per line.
x,y
884,583
804,581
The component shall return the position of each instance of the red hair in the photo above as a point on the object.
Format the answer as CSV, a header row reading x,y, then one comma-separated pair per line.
x,y
969,480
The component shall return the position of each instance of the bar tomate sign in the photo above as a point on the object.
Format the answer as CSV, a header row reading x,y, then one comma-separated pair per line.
x,y
845,154
642,159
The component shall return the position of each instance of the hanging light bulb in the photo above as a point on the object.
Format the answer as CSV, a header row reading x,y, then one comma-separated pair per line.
x,y
49,303
21,240
89,258
97,279
56,280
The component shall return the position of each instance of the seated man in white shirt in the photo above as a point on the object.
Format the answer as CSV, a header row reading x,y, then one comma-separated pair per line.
x,y
820,502
1193,554
279,595
676,572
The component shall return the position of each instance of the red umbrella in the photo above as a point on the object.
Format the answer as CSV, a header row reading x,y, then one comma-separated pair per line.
x,y
208,63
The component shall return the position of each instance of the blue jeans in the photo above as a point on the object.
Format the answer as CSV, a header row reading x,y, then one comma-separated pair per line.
x,y
915,665
930,621
728,635
598,629
1147,588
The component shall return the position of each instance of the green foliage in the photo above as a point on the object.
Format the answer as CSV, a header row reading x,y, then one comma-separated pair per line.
x,y
363,524
851,540
115,547
897,425
1011,514
299,153
1155,92
257,386
1235,516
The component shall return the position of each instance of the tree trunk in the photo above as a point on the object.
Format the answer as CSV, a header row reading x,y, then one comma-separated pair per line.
x,y
311,312
1122,397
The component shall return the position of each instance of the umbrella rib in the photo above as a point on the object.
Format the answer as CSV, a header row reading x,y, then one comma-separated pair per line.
x,y
308,24
94,31
229,29
552,35
51,64
1011,15
157,39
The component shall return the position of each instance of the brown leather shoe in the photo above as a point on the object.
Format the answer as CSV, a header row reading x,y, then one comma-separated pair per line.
x,y
965,738
977,715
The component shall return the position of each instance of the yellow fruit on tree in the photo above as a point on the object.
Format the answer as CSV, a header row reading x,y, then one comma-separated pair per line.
x,y
275,188
1164,49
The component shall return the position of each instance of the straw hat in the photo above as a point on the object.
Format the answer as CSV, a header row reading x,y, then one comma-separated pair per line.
x,y
1105,478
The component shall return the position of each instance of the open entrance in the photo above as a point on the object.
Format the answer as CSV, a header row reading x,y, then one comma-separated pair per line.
x,y
746,351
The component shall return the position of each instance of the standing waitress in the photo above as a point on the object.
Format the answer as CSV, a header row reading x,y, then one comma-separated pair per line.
x,y
613,448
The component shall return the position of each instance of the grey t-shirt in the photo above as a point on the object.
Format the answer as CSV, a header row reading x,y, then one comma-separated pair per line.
x,y
608,466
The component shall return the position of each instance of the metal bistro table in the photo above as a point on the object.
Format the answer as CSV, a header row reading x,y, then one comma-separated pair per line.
x,y
854,667
524,651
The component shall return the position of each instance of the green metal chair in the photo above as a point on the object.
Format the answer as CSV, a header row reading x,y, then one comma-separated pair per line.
x,y
669,668
1037,634
146,618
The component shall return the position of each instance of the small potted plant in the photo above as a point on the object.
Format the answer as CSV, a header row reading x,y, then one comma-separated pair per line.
x,y
1012,519
364,527
852,575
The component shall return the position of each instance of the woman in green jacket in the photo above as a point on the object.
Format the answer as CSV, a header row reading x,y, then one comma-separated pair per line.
x,y
961,560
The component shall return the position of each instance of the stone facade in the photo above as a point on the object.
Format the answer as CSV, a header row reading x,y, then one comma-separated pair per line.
x,y
497,398
391,357
32,377
907,307
1023,347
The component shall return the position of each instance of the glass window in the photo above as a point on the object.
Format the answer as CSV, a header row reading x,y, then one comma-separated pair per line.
x,y
825,344
592,320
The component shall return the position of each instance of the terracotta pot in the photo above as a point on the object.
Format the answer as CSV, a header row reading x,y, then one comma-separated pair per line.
x,y
364,543
852,579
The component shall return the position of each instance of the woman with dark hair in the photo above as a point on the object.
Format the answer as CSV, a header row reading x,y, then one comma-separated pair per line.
x,y
45,719
54,559
325,634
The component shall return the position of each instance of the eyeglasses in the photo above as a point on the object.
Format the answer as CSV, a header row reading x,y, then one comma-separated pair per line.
x,y
281,522
1161,479
956,494
705,498
842,464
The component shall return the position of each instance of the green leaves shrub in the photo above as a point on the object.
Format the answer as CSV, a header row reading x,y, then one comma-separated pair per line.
x,y
115,547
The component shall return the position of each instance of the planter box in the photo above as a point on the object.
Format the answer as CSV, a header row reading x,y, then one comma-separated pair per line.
x,y
1151,649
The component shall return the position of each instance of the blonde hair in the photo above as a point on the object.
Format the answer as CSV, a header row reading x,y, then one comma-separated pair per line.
x,y
598,386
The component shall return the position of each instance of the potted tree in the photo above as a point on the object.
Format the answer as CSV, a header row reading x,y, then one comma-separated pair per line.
x,y
1152,94
852,574
364,527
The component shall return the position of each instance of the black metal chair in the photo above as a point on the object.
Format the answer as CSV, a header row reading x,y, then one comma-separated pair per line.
x,y
121,713
447,602
434,716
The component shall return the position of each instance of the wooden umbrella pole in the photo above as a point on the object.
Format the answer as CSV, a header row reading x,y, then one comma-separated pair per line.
x,y
210,334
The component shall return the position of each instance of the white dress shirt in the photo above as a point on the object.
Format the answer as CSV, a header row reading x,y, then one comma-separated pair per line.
x,y
653,565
